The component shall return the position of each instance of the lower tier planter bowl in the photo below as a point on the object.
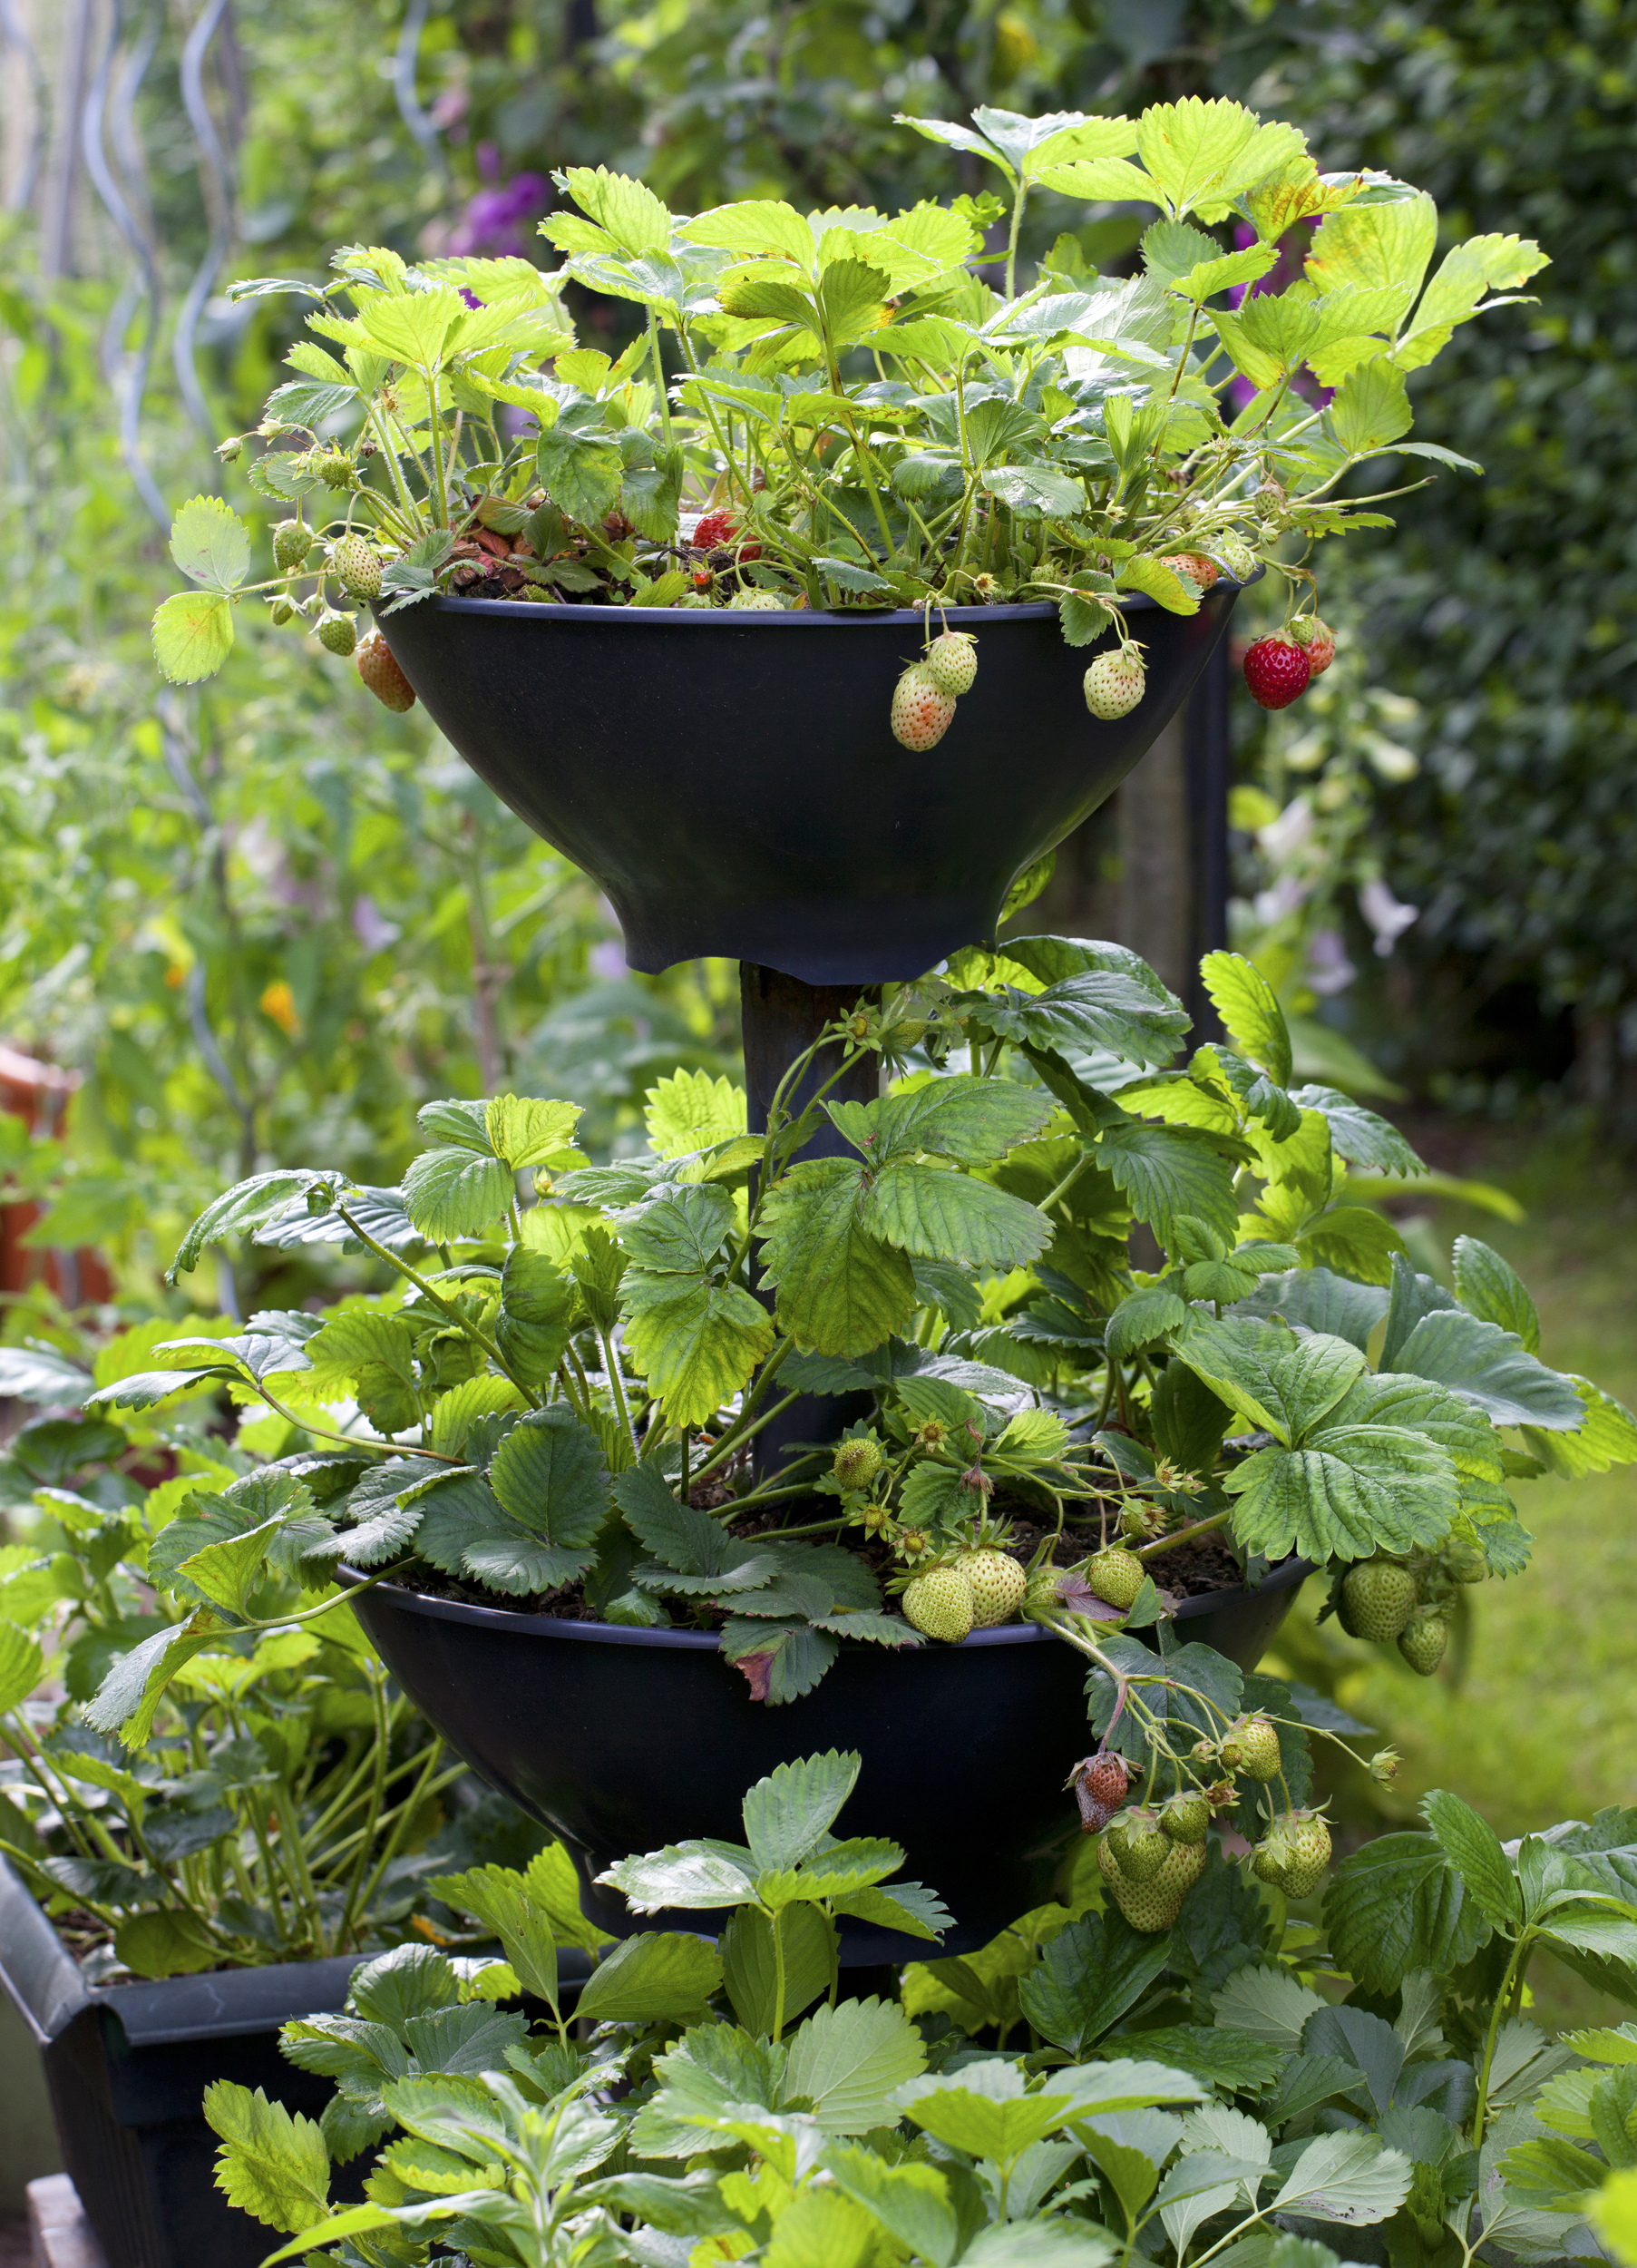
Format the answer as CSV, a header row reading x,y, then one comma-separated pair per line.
x,y
622,1740
731,782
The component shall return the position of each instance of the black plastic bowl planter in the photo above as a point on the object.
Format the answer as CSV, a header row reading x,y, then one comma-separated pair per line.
x,y
127,2065
731,781
622,1740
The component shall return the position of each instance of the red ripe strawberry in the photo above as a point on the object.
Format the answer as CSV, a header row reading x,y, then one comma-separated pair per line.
x,y
1276,670
717,530
1317,641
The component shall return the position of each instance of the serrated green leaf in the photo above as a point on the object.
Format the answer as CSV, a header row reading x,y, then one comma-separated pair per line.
x,y
22,1665
210,543
1286,1385
1397,1904
1473,1849
690,1110
948,1215
847,2061
272,2163
527,1132
549,1473
1249,1012
1491,1288
126,1701
788,1813
450,1193
841,1290
1490,1367
193,635
1348,1492
1087,1978
1165,1171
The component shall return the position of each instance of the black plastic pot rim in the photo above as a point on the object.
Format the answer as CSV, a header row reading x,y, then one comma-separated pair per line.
x,y
696,618
1281,1577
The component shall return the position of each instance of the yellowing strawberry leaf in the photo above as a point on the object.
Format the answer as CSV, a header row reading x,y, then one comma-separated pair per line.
x,y
193,635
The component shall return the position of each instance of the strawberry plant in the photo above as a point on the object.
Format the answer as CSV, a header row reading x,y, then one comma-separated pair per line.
x,y
841,409
558,1402
1234,2084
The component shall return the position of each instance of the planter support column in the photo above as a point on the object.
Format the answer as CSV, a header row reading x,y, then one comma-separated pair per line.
x,y
781,1017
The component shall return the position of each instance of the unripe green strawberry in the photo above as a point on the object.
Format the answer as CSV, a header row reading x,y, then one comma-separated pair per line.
x,y
334,466
857,1463
1185,1816
756,602
357,568
378,667
337,633
282,611
1139,1845
1270,1860
1317,641
1251,1745
1155,1904
290,542
1422,1641
998,1583
1116,682
1307,1853
940,1603
951,663
1236,556
1378,1598
1116,1575
921,713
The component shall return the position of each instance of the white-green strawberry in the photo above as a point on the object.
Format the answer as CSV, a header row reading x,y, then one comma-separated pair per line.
x,y
997,1584
939,1604
1116,1576
1139,1844
357,569
291,543
951,663
1155,1904
756,602
1423,1640
1251,1745
1186,1816
1116,682
337,633
921,711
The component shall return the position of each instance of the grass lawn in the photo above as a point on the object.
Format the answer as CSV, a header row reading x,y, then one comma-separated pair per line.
x,y
1539,1722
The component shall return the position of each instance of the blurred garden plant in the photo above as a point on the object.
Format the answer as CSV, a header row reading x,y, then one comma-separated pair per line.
x,y
279,1801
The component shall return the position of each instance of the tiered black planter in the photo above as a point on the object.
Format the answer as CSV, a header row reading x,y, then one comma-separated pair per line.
x,y
731,783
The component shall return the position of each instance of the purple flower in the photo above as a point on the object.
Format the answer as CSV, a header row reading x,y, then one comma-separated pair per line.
x,y
498,220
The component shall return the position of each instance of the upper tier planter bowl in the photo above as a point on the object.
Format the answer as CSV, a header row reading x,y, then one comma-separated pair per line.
x,y
731,781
